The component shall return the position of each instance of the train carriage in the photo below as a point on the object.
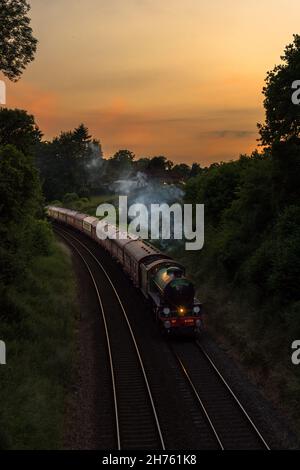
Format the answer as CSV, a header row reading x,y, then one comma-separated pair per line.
x,y
87,224
134,254
78,220
52,212
94,229
62,216
105,234
118,245
71,217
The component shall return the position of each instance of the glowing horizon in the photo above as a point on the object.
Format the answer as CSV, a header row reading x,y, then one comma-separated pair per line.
x,y
169,78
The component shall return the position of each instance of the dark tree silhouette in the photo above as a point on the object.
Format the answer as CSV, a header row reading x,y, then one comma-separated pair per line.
x,y
17,43
81,134
18,128
159,165
181,171
282,116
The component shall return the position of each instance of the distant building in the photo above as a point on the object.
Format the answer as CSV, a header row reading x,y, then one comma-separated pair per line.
x,y
127,185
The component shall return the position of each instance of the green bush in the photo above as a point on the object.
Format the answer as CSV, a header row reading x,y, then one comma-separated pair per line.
x,y
69,198
248,273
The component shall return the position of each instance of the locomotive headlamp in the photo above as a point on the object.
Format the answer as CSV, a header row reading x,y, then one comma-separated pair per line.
x,y
166,310
181,311
196,309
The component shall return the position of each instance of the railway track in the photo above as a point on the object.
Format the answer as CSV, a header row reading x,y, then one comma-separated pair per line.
x,y
229,422
136,420
218,417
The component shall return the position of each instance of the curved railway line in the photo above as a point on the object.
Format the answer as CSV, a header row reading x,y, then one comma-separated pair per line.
x,y
140,418
136,421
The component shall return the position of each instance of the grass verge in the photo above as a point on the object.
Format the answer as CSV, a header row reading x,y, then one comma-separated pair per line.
x,y
39,355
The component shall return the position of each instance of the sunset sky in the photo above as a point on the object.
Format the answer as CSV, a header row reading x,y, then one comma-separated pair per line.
x,y
159,77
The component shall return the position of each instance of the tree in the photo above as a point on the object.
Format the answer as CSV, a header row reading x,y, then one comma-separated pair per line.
x,y
70,163
123,157
18,128
216,188
281,130
159,165
195,170
81,134
282,116
20,192
20,207
142,164
17,43
121,164
181,171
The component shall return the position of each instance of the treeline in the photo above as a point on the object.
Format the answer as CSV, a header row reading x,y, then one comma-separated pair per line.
x,y
23,229
125,165
70,163
253,232
249,269
37,301
73,164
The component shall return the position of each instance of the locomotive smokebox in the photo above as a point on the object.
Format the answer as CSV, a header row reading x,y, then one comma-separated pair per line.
x,y
174,287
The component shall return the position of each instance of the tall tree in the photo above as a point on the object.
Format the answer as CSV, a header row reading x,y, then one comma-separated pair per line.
x,y
281,130
18,128
121,164
181,171
71,163
20,207
195,170
282,116
159,165
81,134
17,43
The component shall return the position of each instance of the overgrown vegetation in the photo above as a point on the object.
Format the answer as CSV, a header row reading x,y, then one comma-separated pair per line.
x,y
87,205
37,298
72,164
249,269
39,334
17,43
37,292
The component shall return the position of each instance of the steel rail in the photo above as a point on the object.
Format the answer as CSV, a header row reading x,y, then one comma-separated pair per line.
x,y
131,334
237,401
111,364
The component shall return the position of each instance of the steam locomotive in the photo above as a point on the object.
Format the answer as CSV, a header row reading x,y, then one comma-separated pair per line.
x,y
160,278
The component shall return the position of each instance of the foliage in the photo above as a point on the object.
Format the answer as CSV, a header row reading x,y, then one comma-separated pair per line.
x,y
282,116
20,209
18,128
36,303
120,165
70,163
17,44
249,270
69,198
39,340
